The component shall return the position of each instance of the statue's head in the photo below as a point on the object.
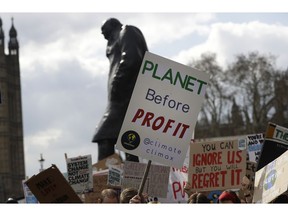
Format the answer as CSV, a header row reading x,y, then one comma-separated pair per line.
x,y
110,26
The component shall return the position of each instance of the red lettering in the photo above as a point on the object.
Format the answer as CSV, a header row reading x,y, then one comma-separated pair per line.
x,y
238,171
185,127
176,190
168,125
184,169
139,114
154,126
223,173
235,174
239,157
212,158
208,180
147,119
194,181
234,157
160,123
230,157
176,129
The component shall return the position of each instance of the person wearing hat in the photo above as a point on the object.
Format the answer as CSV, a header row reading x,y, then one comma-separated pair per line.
x,y
228,196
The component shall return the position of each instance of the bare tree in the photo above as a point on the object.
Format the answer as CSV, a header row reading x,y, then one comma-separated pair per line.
x,y
280,116
252,76
212,112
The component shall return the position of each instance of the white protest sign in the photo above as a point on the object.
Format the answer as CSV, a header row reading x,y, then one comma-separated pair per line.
x,y
157,180
79,173
217,165
163,111
254,146
177,181
271,180
114,176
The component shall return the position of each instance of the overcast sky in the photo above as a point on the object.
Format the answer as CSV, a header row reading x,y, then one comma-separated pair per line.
x,y
64,67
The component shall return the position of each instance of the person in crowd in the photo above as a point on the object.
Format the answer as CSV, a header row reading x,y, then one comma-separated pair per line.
x,y
228,196
127,194
188,190
109,195
137,199
198,198
245,193
130,195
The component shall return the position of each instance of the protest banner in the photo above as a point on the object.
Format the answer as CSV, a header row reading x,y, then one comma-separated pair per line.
x,y
177,181
275,144
115,176
254,146
79,173
163,111
157,179
50,186
217,165
271,180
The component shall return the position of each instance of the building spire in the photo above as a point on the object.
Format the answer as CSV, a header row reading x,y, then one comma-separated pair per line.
x,y
13,42
2,36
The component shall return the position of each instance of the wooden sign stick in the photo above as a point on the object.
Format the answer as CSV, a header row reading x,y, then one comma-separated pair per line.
x,y
141,187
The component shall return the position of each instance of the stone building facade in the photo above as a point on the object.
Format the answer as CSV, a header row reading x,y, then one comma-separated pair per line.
x,y
12,167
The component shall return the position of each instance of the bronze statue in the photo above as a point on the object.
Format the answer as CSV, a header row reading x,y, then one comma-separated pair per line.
x,y
125,50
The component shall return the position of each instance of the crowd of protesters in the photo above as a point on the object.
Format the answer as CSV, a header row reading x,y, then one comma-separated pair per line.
x,y
131,195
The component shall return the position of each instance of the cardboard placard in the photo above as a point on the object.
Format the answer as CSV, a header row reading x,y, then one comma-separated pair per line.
x,y
50,186
217,165
157,179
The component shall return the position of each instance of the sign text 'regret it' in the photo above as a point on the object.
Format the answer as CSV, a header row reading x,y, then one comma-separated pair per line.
x,y
215,165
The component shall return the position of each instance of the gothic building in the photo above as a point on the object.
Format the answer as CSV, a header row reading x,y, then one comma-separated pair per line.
x,y
12,167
